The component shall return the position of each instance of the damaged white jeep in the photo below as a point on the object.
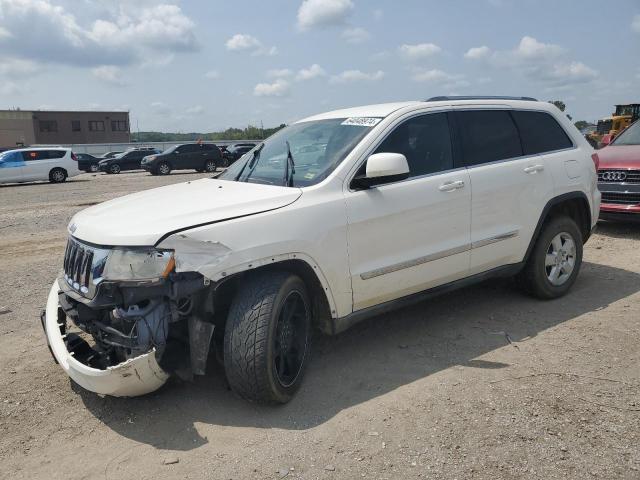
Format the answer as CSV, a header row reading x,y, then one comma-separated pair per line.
x,y
333,219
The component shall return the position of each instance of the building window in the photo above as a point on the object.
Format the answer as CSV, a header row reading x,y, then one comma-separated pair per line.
x,y
96,126
119,126
75,125
48,126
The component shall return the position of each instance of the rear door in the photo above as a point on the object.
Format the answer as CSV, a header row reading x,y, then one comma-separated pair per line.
x,y
509,189
411,235
38,163
131,161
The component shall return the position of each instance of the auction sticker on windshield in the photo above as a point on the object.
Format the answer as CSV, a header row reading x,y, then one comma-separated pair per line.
x,y
362,121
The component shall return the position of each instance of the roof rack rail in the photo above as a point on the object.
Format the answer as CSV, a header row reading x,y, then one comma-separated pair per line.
x,y
478,97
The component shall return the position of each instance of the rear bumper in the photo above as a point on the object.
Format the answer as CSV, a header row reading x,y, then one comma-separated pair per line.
x,y
136,376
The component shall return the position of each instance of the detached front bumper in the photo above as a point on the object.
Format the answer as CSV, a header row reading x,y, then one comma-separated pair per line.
x,y
136,376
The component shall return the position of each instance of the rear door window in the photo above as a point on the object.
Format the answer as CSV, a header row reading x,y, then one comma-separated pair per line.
x,y
540,132
488,136
30,155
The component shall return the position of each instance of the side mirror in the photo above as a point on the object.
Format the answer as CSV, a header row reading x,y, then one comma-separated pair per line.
x,y
382,168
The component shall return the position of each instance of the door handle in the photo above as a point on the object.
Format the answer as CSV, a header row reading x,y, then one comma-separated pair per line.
x,y
451,186
534,169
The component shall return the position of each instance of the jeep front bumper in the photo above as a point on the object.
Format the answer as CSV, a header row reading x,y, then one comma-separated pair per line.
x,y
136,376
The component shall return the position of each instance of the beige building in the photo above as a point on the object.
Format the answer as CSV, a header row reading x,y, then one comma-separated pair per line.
x,y
29,127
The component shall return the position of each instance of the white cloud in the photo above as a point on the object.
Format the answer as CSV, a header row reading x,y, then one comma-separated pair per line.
x,y
279,73
379,56
541,62
212,75
635,24
17,67
530,48
195,110
319,13
351,76
314,71
243,42
476,53
109,74
160,107
419,51
4,33
378,14
355,35
50,33
563,73
279,88
438,77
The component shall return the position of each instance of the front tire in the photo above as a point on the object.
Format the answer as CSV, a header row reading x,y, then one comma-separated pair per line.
x,y
57,175
93,168
266,340
163,168
114,168
555,260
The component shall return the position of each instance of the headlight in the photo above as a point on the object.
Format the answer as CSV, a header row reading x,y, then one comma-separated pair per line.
x,y
143,264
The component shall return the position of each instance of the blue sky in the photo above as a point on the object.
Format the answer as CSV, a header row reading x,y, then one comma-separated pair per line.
x,y
204,65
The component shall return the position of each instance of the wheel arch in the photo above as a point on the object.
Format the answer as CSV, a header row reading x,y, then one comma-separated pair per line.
x,y
64,170
573,204
323,304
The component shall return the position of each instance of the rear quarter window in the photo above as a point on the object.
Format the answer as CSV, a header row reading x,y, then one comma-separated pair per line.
x,y
540,132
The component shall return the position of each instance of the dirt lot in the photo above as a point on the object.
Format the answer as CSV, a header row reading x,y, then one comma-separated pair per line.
x,y
433,391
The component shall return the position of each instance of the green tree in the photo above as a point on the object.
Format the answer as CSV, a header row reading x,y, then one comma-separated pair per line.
x,y
559,103
580,124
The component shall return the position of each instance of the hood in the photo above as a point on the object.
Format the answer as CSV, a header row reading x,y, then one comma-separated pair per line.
x,y
620,156
142,218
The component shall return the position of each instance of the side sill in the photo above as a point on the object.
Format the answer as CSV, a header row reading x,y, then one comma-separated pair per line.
x,y
344,323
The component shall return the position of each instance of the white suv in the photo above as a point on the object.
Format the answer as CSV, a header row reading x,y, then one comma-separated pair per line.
x,y
54,164
333,219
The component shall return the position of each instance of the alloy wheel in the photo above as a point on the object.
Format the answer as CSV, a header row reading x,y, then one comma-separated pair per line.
x,y
560,259
290,339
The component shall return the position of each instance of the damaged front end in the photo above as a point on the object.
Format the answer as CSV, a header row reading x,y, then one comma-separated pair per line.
x,y
120,321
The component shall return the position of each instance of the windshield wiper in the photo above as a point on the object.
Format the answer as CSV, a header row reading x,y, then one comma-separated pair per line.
x,y
253,162
290,167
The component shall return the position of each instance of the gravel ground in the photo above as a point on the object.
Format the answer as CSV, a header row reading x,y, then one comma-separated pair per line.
x,y
432,392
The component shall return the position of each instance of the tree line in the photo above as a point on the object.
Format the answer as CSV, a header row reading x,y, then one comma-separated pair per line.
x,y
249,133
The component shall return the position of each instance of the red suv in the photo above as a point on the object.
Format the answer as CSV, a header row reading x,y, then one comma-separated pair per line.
x,y
619,176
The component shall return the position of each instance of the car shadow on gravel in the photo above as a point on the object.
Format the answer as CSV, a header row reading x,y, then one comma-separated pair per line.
x,y
43,183
629,230
368,361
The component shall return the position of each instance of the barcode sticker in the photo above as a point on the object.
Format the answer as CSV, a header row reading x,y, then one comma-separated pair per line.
x,y
362,121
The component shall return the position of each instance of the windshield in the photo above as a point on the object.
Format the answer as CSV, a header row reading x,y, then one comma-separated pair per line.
x,y
631,136
170,149
316,148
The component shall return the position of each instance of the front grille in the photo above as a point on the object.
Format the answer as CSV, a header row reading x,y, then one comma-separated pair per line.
x,y
83,265
619,176
621,198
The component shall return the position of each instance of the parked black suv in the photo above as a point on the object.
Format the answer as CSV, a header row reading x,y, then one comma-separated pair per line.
x,y
129,160
202,157
235,151
87,162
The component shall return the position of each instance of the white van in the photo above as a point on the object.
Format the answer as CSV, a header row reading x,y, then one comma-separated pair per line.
x,y
55,164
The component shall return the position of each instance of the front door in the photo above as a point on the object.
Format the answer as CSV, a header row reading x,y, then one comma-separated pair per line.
x,y
11,167
414,234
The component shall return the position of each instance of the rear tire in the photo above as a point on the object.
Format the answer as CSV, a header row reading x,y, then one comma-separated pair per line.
x,y
266,342
210,166
57,175
93,168
114,168
555,260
